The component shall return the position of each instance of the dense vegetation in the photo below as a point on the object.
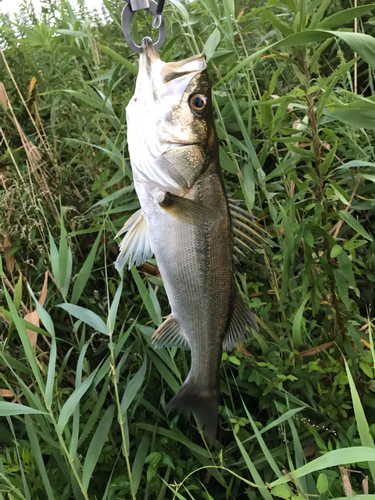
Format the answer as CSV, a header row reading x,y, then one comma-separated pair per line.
x,y
82,392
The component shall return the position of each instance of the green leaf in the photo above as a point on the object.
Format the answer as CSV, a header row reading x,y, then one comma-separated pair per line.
x,y
259,483
133,386
344,16
356,118
91,101
281,491
326,163
113,309
182,9
317,16
119,59
114,196
333,458
96,445
73,400
277,23
87,316
366,368
362,424
79,34
346,268
139,461
75,51
342,287
336,250
51,372
364,45
369,177
38,457
174,435
226,163
354,497
84,274
21,329
7,409
145,296
267,453
164,371
234,360
18,293
297,337
54,259
352,222
322,483
65,260
211,44
48,323
43,315
7,360
304,37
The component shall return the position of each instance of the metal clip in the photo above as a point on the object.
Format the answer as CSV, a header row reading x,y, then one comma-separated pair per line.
x,y
139,4
127,14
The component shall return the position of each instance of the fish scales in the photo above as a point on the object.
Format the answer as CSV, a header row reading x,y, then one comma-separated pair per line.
x,y
185,220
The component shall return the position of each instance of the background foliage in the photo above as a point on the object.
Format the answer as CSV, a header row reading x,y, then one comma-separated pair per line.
x,y
82,392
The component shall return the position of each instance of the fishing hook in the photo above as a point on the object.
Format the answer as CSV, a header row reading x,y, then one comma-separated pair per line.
x,y
151,6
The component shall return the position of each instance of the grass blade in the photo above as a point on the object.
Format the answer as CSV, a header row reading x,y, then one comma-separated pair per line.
x,y
96,445
362,425
145,296
133,387
84,274
87,316
73,400
331,459
139,461
263,490
38,457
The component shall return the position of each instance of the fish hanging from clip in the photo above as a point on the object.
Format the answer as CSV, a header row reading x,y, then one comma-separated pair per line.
x,y
188,223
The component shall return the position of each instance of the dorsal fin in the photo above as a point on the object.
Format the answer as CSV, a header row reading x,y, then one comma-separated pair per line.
x,y
248,233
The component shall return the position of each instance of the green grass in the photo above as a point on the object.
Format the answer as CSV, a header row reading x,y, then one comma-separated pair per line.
x,y
82,410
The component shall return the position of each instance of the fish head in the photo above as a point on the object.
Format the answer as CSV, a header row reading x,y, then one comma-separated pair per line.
x,y
171,108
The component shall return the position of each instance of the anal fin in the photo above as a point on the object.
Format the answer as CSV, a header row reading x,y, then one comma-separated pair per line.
x,y
136,246
169,334
242,319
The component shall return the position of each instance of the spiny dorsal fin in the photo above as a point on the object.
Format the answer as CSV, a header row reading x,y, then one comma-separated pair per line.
x,y
242,319
169,334
136,246
188,211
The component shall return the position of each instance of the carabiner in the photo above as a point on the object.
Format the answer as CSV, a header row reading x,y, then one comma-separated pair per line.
x,y
126,17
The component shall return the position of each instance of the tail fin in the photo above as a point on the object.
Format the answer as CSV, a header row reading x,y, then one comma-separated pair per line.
x,y
203,403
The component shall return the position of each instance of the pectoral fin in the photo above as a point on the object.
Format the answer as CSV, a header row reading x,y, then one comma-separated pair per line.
x,y
188,211
242,319
169,334
136,246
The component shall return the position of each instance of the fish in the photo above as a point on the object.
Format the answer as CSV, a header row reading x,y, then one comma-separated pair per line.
x,y
188,223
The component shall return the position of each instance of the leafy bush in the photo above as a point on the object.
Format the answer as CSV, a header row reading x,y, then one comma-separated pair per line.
x,y
82,391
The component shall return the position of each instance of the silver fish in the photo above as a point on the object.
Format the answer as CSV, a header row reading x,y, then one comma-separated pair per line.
x,y
186,221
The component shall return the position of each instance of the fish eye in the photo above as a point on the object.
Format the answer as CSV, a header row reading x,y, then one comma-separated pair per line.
x,y
198,103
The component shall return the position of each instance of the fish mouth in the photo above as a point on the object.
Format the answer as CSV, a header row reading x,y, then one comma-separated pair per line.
x,y
149,55
170,71
173,145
